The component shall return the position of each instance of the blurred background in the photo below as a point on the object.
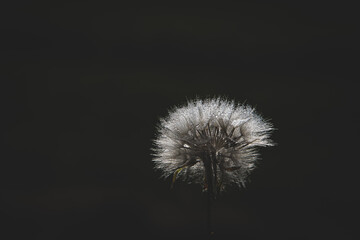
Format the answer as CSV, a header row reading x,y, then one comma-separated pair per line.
x,y
84,84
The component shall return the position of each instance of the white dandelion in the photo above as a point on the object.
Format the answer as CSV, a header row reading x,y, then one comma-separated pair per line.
x,y
212,142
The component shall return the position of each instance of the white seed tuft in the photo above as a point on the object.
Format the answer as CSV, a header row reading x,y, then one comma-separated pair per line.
x,y
212,142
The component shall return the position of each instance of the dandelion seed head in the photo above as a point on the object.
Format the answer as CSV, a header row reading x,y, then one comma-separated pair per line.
x,y
211,141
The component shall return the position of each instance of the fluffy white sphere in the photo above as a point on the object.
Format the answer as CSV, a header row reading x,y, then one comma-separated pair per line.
x,y
212,142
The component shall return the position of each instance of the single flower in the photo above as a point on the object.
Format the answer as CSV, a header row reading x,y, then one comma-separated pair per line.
x,y
212,142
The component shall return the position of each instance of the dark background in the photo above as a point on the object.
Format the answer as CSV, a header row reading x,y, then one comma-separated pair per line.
x,y
84,84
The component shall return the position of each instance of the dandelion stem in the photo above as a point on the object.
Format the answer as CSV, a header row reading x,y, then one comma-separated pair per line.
x,y
209,180
209,215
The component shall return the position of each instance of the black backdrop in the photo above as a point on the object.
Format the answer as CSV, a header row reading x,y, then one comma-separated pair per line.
x,y
84,84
